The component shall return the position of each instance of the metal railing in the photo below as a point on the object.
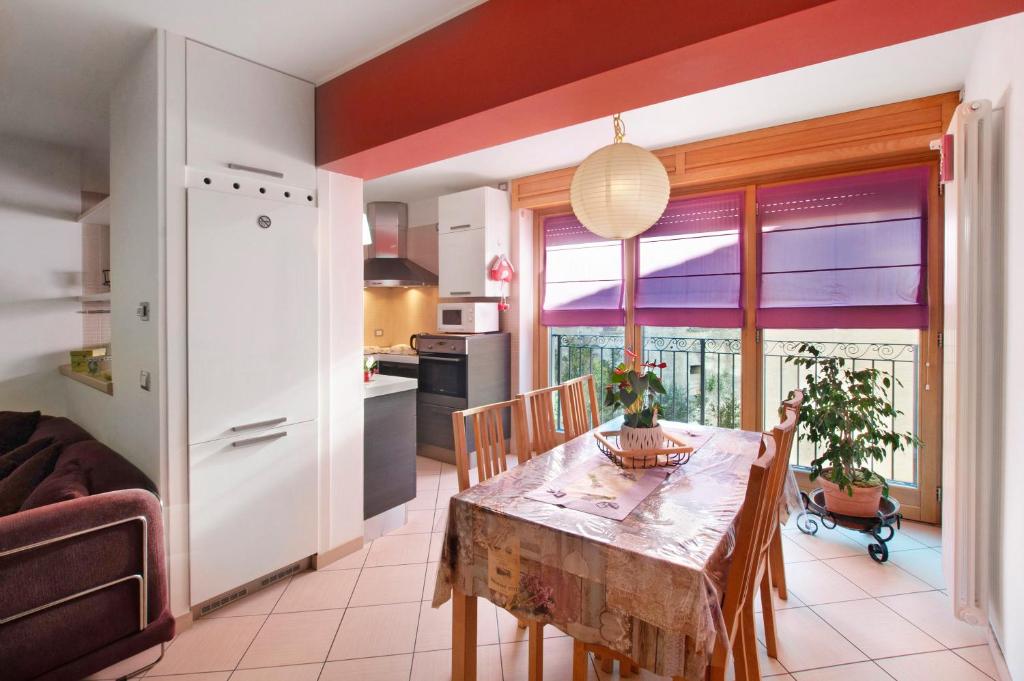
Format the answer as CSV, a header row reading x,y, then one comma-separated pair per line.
x,y
703,380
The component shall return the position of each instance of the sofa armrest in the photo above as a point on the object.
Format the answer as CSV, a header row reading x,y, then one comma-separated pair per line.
x,y
60,564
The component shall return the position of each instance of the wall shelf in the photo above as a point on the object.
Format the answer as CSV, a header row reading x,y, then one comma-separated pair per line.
x,y
98,214
91,381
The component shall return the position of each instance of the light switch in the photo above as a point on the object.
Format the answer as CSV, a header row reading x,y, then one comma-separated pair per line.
x,y
144,380
378,332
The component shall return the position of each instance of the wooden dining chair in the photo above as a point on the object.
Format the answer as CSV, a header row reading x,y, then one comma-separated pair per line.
x,y
752,526
782,437
492,445
777,563
541,420
580,409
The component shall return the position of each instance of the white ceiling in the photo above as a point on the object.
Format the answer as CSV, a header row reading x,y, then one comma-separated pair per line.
x,y
914,69
60,58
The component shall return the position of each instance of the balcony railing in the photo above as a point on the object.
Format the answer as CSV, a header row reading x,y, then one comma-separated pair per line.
x,y
703,380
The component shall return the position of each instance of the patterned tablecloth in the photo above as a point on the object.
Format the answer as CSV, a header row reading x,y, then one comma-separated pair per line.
x,y
647,586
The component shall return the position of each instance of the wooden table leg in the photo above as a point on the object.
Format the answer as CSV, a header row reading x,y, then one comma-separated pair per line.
x,y
536,658
463,636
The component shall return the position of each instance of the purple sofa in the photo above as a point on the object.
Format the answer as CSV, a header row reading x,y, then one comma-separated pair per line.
x,y
73,572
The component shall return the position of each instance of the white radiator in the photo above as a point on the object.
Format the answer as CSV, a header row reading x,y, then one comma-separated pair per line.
x,y
972,398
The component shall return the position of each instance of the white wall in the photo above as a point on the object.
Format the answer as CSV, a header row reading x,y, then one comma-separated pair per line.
x,y
136,258
340,356
997,74
41,243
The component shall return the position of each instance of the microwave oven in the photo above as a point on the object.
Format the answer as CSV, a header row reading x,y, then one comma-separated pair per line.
x,y
467,317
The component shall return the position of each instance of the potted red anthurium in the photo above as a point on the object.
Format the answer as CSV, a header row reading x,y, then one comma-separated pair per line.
x,y
847,415
635,387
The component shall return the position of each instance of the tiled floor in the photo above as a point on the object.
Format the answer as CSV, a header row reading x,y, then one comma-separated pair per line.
x,y
368,617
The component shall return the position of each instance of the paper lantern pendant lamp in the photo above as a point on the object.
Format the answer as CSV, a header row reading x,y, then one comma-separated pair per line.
x,y
620,190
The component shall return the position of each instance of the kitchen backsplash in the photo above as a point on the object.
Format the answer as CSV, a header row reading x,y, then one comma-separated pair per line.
x,y
400,312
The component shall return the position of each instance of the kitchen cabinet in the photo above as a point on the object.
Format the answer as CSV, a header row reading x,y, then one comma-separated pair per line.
x,y
241,113
252,506
473,228
389,444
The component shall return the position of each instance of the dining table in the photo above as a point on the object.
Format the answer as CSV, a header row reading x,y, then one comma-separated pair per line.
x,y
639,569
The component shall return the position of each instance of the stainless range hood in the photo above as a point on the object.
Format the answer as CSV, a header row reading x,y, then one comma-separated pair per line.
x,y
387,264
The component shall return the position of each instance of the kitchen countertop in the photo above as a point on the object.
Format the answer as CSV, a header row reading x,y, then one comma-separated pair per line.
x,y
400,359
386,385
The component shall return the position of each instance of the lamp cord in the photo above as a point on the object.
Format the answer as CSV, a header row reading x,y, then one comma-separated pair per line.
x,y
620,128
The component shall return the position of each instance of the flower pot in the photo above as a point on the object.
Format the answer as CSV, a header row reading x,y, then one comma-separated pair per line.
x,y
631,439
863,504
367,375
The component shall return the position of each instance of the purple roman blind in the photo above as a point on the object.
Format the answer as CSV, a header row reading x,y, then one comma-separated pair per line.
x,y
688,264
847,252
582,276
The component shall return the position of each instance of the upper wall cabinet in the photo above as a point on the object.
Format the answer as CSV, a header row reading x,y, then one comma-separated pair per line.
x,y
473,227
248,119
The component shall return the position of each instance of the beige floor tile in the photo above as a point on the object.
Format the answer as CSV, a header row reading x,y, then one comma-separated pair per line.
x,y
860,671
425,499
429,582
389,584
941,666
792,553
791,601
425,466
980,657
875,629
436,544
435,625
387,668
440,520
899,542
827,544
416,522
878,579
444,496
204,676
325,590
925,564
807,642
557,660
769,666
427,482
436,665
403,549
933,613
260,602
929,535
449,478
376,630
509,631
300,672
129,665
352,561
210,645
816,583
293,638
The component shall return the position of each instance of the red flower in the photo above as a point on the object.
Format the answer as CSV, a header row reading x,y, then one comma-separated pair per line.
x,y
618,371
630,353
663,365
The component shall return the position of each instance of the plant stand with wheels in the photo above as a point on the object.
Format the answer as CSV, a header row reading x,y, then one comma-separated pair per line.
x,y
879,526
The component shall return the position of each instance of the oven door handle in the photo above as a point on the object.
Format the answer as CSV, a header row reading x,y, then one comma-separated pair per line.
x,y
440,359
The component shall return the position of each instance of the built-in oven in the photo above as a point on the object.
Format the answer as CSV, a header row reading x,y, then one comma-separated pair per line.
x,y
443,375
443,389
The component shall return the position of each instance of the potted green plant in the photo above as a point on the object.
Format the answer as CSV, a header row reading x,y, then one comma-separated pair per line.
x,y
847,415
635,386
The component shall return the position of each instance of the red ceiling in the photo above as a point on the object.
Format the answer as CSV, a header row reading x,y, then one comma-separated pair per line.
x,y
508,69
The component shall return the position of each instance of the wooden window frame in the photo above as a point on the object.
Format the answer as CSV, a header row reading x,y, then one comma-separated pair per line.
x,y
880,138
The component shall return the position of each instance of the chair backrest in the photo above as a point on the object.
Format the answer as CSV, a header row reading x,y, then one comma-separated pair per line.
x,y
574,397
541,423
491,441
753,523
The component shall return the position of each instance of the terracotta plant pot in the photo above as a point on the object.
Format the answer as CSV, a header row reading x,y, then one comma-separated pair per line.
x,y
863,504
631,439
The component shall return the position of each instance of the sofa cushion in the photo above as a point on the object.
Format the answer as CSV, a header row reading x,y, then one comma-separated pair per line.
x,y
16,487
16,427
14,458
63,431
68,481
